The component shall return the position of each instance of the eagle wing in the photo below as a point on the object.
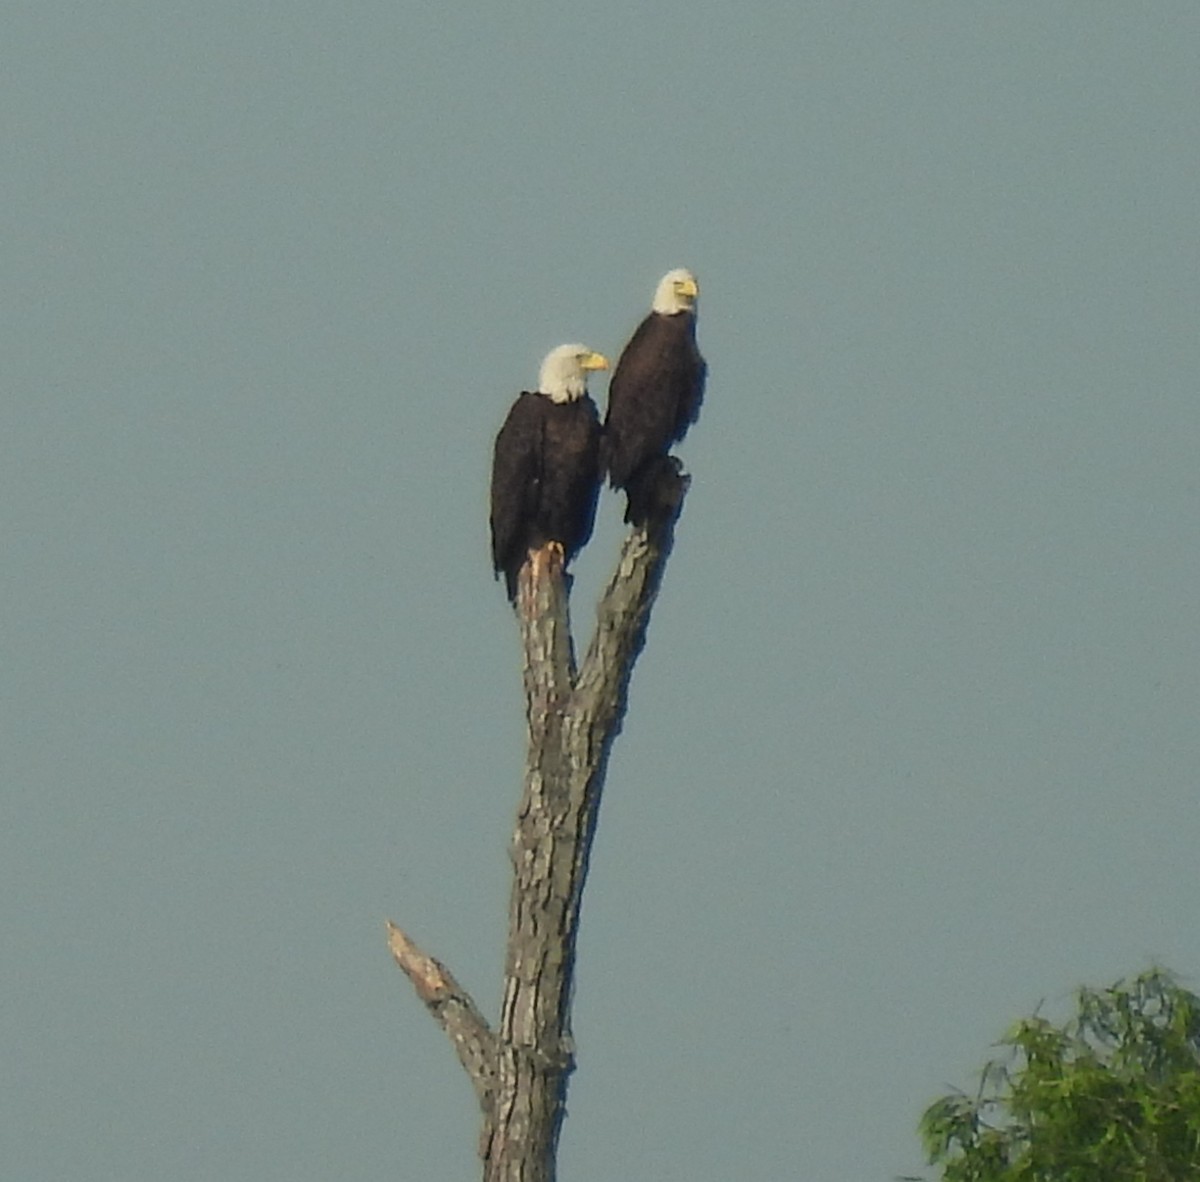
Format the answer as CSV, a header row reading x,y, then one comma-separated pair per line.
x,y
516,476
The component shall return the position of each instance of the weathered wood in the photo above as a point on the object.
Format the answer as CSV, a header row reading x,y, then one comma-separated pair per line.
x,y
535,1056
453,1010
572,716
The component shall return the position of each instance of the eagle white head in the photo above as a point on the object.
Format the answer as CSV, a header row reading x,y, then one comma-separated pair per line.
x,y
677,291
563,376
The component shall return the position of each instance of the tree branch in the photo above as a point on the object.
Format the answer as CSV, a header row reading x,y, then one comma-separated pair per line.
x,y
624,614
520,1073
570,735
453,1010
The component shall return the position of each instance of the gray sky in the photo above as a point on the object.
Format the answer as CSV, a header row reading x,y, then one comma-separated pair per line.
x,y
914,741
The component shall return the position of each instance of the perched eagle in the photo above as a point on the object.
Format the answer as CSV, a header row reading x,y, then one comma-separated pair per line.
x,y
654,396
546,466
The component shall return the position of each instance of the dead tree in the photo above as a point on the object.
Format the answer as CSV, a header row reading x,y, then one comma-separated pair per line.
x,y
520,1069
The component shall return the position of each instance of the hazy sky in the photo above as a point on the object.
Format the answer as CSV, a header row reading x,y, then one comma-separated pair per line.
x,y
914,741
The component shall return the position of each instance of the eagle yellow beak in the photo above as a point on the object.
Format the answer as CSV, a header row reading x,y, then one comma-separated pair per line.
x,y
688,287
594,361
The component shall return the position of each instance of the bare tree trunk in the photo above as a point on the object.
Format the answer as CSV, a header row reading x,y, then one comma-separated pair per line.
x,y
573,714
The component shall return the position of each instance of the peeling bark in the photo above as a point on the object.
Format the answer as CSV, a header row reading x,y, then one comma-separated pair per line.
x,y
520,1071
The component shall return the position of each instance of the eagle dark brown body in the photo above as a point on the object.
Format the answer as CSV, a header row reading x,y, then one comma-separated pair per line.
x,y
545,480
654,397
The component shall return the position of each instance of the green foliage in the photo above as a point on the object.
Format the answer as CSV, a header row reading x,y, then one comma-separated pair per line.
x,y
1111,1096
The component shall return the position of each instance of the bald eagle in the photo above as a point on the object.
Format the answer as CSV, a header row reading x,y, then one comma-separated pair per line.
x,y
546,466
654,395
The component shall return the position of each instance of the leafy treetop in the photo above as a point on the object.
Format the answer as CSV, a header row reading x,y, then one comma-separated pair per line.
x,y
1113,1095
